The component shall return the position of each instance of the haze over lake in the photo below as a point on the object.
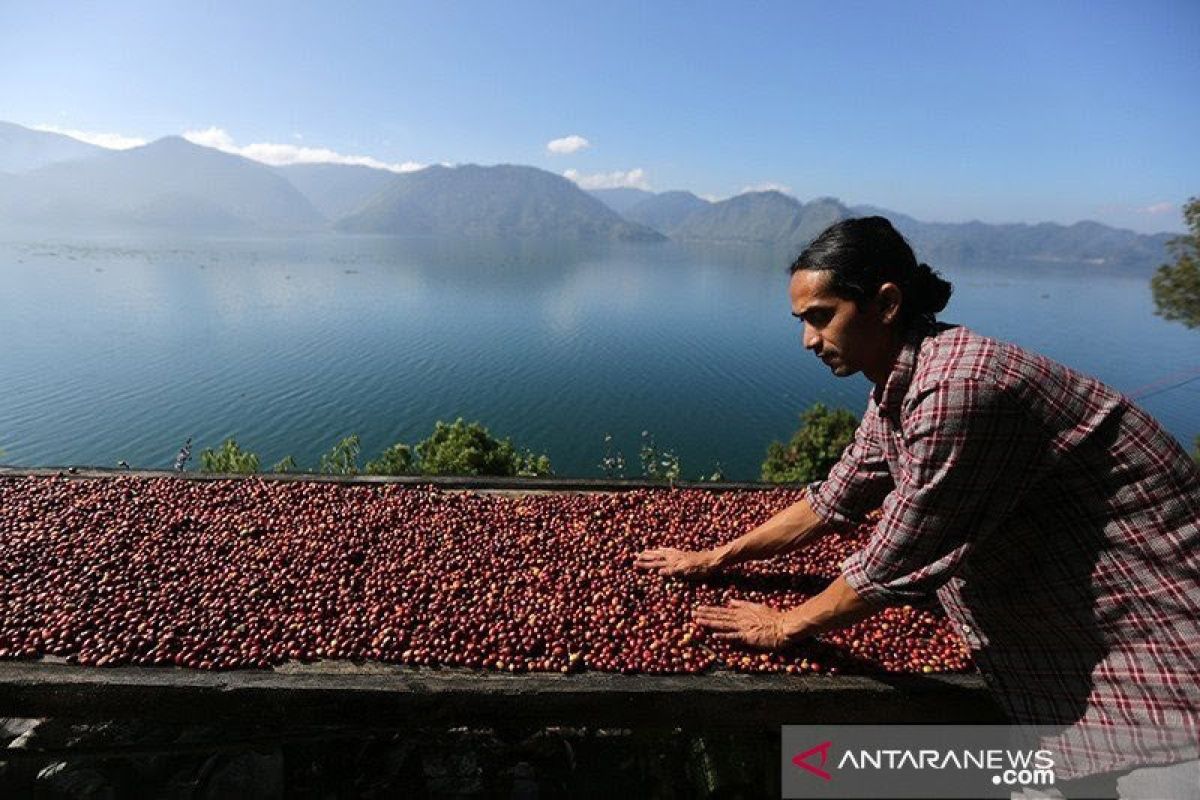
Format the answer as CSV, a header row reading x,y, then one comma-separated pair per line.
x,y
122,348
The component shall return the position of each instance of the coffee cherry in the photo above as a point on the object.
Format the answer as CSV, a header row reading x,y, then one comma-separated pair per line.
x,y
248,574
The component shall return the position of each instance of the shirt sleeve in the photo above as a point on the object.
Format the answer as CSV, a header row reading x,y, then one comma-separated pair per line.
x,y
965,453
859,481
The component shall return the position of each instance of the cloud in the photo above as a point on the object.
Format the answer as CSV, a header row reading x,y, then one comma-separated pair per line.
x,y
568,144
279,155
767,187
113,141
215,138
1158,208
633,179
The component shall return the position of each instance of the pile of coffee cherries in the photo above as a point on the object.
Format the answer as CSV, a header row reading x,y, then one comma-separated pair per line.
x,y
251,573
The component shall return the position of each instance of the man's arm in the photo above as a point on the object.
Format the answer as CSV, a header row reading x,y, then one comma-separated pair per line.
x,y
790,529
964,465
794,527
762,626
856,484
835,607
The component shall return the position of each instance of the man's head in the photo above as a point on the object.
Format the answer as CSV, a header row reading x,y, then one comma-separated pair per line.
x,y
859,289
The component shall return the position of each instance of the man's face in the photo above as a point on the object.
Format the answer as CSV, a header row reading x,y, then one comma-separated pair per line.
x,y
847,339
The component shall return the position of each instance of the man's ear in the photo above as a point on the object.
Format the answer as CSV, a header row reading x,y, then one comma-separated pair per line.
x,y
889,298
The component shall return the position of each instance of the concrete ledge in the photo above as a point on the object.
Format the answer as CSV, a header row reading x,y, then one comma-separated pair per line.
x,y
441,481
338,692
344,692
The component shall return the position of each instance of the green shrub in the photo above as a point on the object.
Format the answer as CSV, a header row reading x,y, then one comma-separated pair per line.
x,y
658,464
533,465
396,460
462,448
287,464
613,462
230,458
813,450
457,448
343,458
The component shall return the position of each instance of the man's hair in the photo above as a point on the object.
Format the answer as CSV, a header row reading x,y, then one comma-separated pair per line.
x,y
863,254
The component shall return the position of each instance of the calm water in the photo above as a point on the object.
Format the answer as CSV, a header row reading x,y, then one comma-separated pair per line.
x,y
121,349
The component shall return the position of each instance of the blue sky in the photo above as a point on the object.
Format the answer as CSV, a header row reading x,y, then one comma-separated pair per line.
x,y
1006,112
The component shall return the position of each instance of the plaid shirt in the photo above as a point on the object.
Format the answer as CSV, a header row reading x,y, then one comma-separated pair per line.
x,y
1059,525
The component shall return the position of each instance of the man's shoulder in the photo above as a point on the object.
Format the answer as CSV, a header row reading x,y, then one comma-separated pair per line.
x,y
956,353
953,352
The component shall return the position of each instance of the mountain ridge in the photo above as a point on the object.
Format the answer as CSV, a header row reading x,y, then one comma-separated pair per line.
x,y
504,199
23,149
172,183
168,183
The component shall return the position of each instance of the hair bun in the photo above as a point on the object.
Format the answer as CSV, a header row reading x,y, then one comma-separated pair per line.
x,y
930,291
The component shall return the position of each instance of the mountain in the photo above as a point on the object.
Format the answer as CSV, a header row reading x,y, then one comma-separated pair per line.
x,y
1046,242
50,182
816,216
896,217
170,183
775,219
622,199
23,149
979,243
499,201
336,190
760,218
665,211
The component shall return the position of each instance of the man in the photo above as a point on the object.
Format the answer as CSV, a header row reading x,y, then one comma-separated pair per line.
x,y
1058,523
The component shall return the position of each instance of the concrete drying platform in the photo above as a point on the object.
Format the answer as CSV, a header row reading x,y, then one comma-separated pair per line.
x,y
344,692
366,693
482,483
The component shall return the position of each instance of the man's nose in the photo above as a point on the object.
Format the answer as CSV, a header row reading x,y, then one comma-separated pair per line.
x,y
810,337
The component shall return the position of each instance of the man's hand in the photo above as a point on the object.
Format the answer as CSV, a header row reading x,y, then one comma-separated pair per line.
x,y
749,623
762,626
677,563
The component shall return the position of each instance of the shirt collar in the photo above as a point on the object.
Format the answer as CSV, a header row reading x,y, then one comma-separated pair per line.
x,y
896,386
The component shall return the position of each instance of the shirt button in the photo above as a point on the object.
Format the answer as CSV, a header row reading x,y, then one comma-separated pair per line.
x,y
966,629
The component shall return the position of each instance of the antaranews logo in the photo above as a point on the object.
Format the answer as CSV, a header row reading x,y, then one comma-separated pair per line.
x,y
801,760
911,761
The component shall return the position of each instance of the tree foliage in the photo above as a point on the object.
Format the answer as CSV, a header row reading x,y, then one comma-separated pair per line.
x,y
613,462
342,459
658,463
462,448
814,448
532,465
457,448
396,460
230,458
1176,287
285,464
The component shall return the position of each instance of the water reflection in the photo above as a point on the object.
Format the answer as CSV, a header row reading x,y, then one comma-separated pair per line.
x,y
290,345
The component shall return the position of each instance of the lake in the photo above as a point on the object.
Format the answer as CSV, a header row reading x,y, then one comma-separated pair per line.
x,y
123,348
